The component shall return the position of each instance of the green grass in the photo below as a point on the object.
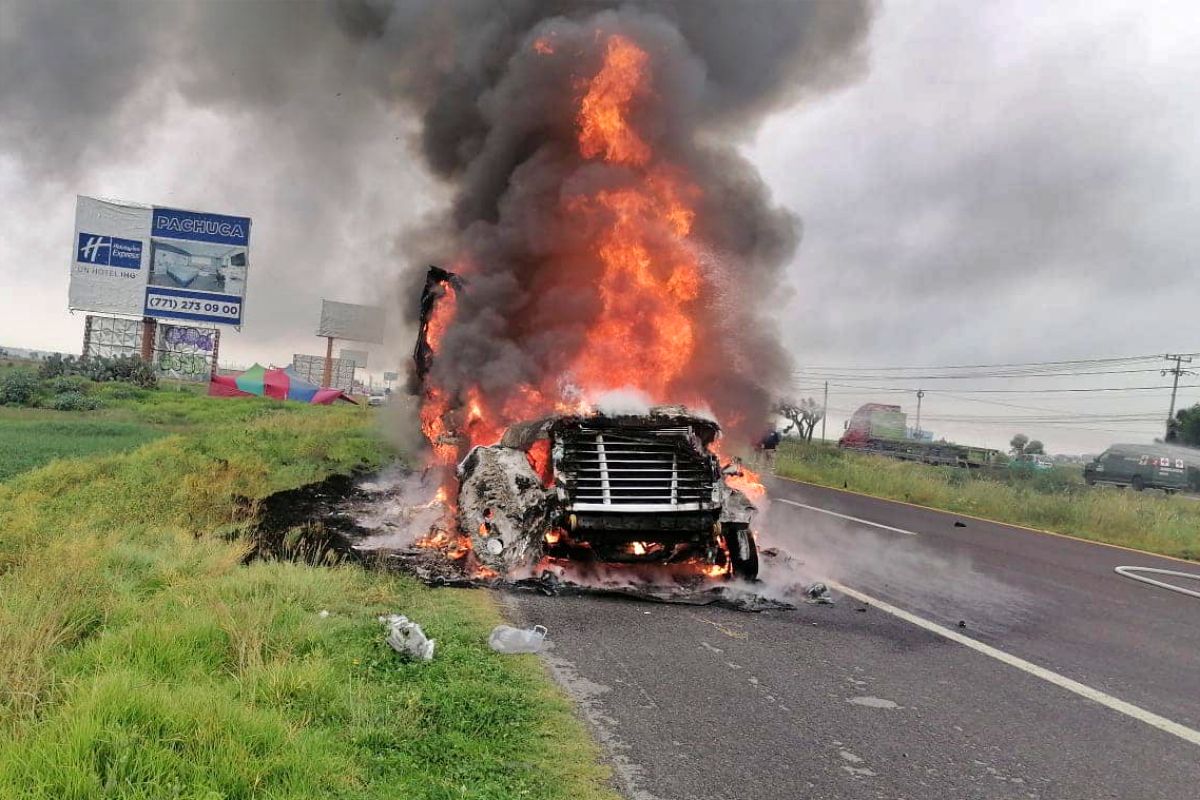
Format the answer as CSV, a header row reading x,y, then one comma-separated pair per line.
x,y
139,658
29,439
130,417
1056,500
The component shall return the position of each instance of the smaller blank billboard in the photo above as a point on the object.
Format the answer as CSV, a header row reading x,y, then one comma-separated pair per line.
x,y
351,321
312,369
359,357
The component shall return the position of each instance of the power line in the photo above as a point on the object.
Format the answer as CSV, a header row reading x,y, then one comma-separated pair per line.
x,y
1112,360
971,375
1036,419
894,389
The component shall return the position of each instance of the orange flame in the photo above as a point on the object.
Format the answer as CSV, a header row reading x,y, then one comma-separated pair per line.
x,y
748,483
442,316
603,124
539,458
481,425
433,426
644,332
644,336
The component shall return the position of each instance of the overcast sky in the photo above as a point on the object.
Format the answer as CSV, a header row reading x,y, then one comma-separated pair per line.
x,y
1009,182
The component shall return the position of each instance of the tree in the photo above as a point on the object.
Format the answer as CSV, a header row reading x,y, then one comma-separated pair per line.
x,y
803,415
1185,428
1018,443
1035,448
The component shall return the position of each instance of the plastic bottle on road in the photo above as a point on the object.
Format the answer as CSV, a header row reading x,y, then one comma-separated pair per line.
x,y
507,639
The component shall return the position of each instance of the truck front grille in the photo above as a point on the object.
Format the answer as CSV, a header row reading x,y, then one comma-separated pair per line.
x,y
654,471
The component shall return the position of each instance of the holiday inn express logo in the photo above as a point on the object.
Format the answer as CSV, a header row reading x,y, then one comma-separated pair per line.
x,y
109,251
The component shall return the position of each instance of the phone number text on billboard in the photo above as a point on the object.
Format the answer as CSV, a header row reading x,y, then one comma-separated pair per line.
x,y
195,306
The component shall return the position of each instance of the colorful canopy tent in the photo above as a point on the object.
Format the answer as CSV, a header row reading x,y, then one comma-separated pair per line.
x,y
282,384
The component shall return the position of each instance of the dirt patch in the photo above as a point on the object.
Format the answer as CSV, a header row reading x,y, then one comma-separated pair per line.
x,y
308,524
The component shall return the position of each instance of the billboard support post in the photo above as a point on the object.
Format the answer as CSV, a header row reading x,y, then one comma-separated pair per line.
x,y
87,335
328,374
216,353
148,329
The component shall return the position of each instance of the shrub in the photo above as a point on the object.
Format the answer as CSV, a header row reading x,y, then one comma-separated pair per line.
x,y
124,391
74,401
126,369
18,388
68,383
57,365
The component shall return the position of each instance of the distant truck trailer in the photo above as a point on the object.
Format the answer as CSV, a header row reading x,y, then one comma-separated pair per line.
x,y
882,429
1145,466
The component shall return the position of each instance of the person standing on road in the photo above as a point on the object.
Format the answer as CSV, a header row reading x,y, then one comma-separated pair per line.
x,y
768,446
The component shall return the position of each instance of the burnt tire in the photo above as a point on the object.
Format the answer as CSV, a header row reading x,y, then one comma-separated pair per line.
x,y
1137,484
743,553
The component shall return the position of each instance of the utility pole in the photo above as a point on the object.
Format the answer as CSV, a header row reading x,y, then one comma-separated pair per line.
x,y
824,410
1176,371
920,394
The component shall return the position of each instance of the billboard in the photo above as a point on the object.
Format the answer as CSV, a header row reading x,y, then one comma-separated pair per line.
x,y
351,321
312,369
166,263
180,352
359,357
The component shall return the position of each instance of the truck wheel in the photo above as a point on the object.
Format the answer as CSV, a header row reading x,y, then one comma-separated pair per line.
x,y
1090,481
743,553
1137,483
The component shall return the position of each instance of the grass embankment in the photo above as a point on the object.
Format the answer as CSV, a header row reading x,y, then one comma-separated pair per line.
x,y
1056,500
128,418
139,658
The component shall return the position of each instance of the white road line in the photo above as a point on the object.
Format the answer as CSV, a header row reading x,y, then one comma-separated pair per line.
x,y
843,516
1128,709
1131,572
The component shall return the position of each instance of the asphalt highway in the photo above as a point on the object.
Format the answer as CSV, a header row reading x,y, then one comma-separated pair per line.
x,y
959,661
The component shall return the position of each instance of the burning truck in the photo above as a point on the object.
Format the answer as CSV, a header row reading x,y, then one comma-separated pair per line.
x,y
603,240
627,488
594,485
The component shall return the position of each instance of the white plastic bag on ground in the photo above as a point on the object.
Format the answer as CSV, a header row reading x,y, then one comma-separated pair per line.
x,y
507,639
407,638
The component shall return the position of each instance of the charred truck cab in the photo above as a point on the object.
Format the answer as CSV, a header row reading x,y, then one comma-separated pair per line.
x,y
605,487
630,488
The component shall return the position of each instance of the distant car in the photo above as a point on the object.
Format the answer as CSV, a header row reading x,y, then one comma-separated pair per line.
x,y
1140,467
376,399
1027,463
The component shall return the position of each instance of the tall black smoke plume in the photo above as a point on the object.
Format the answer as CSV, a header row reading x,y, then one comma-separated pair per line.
x,y
498,86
